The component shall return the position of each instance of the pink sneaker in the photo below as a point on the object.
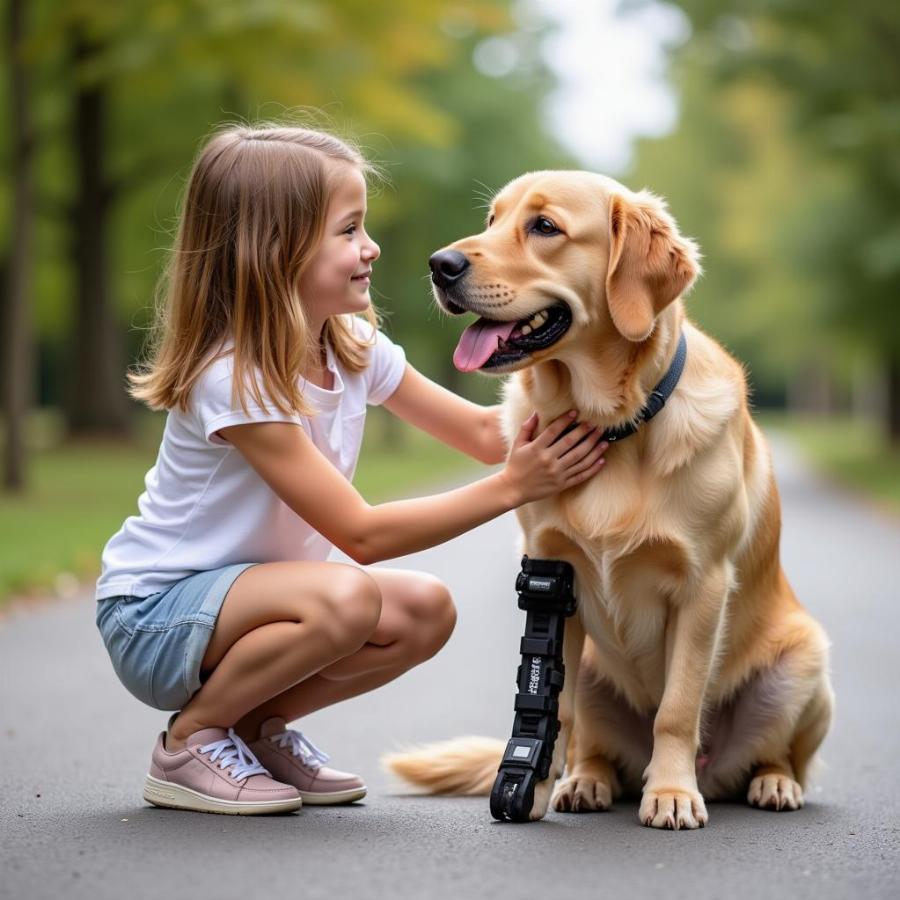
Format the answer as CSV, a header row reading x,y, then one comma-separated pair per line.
x,y
215,773
294,759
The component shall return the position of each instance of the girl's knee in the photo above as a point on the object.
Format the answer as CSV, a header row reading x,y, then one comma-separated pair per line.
x,y
351,608
433,615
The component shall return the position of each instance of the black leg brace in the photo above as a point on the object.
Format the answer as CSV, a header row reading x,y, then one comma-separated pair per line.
x,y
545,588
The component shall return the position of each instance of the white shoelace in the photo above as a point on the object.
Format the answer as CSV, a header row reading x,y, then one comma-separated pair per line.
x,y
301,746
235,754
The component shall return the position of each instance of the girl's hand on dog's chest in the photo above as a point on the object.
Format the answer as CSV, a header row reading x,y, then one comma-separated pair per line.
x,y
547,463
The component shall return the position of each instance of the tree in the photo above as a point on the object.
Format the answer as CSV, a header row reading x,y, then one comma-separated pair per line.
x,y
16,345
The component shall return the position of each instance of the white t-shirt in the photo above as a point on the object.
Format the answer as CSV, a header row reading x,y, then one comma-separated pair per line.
x,y
205,506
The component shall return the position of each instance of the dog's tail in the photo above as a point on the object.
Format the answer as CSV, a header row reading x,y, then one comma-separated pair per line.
x,y
466,765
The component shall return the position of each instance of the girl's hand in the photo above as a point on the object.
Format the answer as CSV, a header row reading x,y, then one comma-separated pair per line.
x,y
547,464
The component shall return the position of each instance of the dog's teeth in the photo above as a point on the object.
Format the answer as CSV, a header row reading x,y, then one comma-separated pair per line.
x,y
526,329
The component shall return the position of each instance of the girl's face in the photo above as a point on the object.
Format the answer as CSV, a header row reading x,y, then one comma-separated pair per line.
x,y
337,278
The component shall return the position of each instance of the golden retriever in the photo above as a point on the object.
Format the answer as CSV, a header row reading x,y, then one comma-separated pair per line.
x,y
692,671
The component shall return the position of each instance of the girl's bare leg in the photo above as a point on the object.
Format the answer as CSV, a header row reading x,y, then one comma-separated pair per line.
x,y
417,618
280,623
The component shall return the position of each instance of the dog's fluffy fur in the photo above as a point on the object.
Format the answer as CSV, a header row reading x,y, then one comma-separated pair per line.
x,y
692,670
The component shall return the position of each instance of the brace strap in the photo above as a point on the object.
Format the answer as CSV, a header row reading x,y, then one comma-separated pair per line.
x,y
545,588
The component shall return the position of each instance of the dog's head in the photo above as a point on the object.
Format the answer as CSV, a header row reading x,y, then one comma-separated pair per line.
x,y
563,254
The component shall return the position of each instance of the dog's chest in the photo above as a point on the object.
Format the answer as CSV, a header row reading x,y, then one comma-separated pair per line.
x,y
635,540
631,560
626,601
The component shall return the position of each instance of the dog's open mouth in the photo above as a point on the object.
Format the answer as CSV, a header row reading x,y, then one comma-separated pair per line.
x,y
488,344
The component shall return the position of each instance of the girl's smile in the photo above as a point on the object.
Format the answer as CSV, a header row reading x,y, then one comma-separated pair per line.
x,y
340,272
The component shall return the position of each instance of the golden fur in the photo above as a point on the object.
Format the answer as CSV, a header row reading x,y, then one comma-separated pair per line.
x,y
692,670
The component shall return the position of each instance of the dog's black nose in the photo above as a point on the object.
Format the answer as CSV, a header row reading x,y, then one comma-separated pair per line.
x,y
447,267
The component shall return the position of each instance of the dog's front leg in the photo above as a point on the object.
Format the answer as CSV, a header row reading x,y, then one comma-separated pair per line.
x,y
573,644
671,798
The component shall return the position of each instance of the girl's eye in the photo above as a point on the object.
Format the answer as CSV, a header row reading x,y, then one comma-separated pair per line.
x,y
350,229
543,225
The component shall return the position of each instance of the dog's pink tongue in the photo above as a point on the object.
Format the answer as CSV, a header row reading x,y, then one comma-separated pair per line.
x,y
478,342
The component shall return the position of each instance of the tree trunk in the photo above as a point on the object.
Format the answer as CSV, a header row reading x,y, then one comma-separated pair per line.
x,y
97,403
893,400
16,350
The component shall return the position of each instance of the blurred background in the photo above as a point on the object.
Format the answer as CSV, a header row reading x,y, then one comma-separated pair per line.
x,y
771,126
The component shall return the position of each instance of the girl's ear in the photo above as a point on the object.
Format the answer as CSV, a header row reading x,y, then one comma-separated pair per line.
x,y
650,263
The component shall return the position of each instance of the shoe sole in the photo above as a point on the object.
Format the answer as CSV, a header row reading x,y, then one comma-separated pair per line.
x,y
174,796
311,798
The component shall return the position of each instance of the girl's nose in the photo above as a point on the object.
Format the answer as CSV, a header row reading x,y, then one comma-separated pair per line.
x,y
373,251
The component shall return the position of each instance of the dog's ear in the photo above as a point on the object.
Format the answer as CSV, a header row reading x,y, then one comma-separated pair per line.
x,y
650,263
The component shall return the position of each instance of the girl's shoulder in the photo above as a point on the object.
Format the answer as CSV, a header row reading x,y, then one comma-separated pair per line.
x,y
216,370
386,361
215,404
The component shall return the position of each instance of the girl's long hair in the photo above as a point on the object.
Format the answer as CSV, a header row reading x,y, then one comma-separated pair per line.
x,y
252,217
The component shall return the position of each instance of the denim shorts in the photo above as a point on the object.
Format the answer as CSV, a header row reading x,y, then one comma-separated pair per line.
x,y
157,643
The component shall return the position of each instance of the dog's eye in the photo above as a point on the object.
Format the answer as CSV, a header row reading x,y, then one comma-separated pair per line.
x,y
545,226
490,220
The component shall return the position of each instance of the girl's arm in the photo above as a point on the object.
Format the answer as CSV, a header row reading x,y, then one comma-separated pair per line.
x,y
450,418
305,480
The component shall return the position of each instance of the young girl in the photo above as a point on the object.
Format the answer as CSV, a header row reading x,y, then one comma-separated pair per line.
x,y
217,600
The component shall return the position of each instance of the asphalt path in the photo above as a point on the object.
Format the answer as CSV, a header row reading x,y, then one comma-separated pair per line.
x,y
74,748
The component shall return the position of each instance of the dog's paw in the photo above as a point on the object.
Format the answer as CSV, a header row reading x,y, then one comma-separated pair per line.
x,y
542,791
582,794
775,791
673,809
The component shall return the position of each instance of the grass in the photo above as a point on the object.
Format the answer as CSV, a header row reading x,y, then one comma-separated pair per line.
x,y
79,495
852,452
